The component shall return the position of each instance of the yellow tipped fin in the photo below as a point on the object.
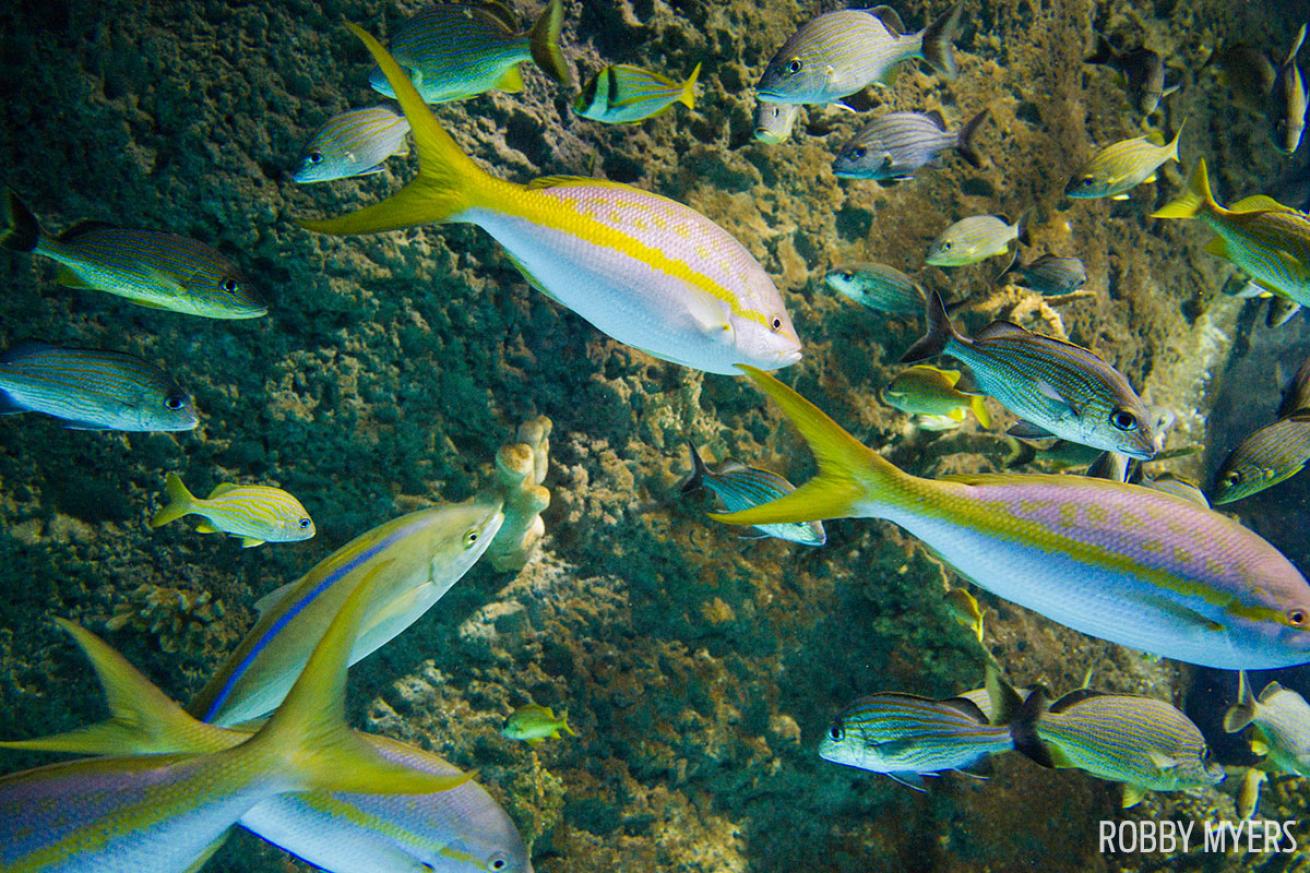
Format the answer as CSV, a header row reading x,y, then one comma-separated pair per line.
x,y
1218,247
512,81
543,42
1133,795
979,407
69,279
1197,199
207,527
250,542
180,501
688,96
1259,203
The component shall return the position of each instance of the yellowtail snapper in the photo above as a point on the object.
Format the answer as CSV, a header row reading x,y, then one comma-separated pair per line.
x,y
741,487
879,287
641,268
926,390
891,147
977,238
1282,725
839,53
1272,454
92,390
255,514
150,268
1049,274
1057,388
774,121
1117,169
1123,563
624,94
1146,744
1287,105
354,143
456,50
1142,70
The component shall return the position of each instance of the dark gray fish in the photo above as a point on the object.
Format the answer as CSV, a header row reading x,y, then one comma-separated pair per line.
x,y
1297,395
92,390
741,487
1051,275
1281,311
1057,388
893,146
1249,73
879,287
1141,68
1288,104
1268,456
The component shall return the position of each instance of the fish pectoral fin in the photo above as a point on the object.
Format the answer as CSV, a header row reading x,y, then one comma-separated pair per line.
x,y
1133,795
250,542
1161,761
711,317
207,527
1217,247
1120,197
81,425
1049,391
69,279
403,604
511,81
1186,614
1149,180
1026,430
909,779
1259,747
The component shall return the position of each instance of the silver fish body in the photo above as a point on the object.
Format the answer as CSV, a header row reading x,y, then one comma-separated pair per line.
x,y
879,287
354,143
1282,720
774,121
93,390
1270,455
1288,104
894,145
1051,275
740,487
975,239
1059,388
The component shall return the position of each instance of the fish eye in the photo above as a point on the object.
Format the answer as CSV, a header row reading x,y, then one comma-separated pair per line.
x,y
315,157
305,523
230,285
848,275
776,324
1232,477
794,66
497,862
836,733
1124,420
859,152
1087,181
470,538
946,246
1296,617
175,401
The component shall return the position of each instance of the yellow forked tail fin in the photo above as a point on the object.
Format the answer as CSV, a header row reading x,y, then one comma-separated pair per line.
x,y
544,44
179,504
688,96
1197,199
447,178
849,472
979,406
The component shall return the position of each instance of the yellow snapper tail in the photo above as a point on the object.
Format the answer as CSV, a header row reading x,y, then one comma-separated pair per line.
x,y
688,96
1173,143
1240,714
979,406
21,231
1196,200
448,180
543,40
180,502
849,472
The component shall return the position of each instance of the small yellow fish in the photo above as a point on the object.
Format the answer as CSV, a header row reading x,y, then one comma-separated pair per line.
x,y
255,513
964,608
533,723
925,390
1117,169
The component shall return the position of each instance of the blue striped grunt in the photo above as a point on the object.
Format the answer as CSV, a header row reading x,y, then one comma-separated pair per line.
x,y
417,558
879,287
1146,744
1288,106
643,269
1132,565
1282,725
354,143
448,831
1049,274
532,723
1117,169
1272,454
92,390
456,50
255,514
839,53
167,813
624,94
975,239
926,390
891,147
741,487
147,267
1057,388
774,121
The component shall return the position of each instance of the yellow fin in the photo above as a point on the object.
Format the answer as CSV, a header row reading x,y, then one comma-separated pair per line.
x,y
1197,199
543,42
1259,203
221,489
1149,180
957,414
979,406
1118,197
250,542
688,96
1133,795
179,501
512,81
1218,247
69,279
207,527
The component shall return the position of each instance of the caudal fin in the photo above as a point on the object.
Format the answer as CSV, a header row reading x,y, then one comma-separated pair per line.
x,y
448,180
543,42
1173,143
851,476
964,144
1197,198
21,231
979,406
938,42
940,333
688,96
698,470
1023,729
1241,713
180,501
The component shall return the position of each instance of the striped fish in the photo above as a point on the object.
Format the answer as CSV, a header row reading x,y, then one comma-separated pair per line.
x,y
167,813
1146,744
92,390
624,94
925,390
975,239
1297,395
354,143
839,53
1272,454
147,267
1288,107
1051,275
893,146
456,50
1117,169
645,270
417,558
774,121
1268,241
1123,563
1057,388
879,287
255,514
741,487
451,831
908,737
1282,724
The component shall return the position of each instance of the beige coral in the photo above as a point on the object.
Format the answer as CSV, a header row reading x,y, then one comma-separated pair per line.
x,y
520,469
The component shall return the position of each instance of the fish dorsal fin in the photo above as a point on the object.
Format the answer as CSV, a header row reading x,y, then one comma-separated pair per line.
x,y
274,597
952,377
83,227
501,13
1000,328
26,350
1026,430
936,118
221,489
1269,691
571,181
1078,695
966,706
890,19
1259,203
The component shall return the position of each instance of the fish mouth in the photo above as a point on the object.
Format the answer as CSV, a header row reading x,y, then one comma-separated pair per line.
x,y
772,95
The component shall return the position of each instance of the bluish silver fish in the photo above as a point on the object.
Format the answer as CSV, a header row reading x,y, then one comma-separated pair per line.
x,y
774,121
354,143
741,487
92,390
1282,725
893,146
839,53
879,287
1288,107
1057,388
1272,454
1050,275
